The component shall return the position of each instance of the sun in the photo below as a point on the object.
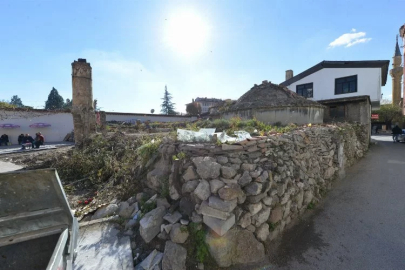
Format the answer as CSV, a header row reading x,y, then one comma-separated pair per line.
x,y
186,33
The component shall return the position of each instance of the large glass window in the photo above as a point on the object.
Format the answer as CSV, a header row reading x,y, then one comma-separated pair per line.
x,y
346,85
306,90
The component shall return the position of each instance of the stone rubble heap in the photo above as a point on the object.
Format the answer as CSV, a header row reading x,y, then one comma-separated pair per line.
x,y
243,194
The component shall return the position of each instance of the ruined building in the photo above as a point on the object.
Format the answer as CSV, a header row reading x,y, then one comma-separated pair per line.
x,y
271,103
396,74
84,119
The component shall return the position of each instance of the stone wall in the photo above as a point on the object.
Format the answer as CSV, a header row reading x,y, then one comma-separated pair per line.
x,y
249,192
283,115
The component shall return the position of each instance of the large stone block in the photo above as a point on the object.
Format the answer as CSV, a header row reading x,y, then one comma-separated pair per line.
x,y
179,233
174,257
230,192
107,210
212,212
235,247
190,174
219,226
217,203
215,185
207,167
276,214
149,226
203,190
228,172
245,179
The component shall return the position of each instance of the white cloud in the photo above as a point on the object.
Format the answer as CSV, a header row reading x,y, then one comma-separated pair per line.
x,y
350,39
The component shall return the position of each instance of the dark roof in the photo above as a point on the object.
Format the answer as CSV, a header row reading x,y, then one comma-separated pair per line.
x,y
269,95
397,51
383,64
347,99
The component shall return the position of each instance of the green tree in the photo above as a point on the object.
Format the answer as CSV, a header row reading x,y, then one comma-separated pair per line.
x,y
16,101
193,108
68,104
167,104
5,104
389,113
152,111
55,101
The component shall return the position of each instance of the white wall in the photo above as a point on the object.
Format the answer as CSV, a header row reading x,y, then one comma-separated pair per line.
x,y
368,83
61,124
152,118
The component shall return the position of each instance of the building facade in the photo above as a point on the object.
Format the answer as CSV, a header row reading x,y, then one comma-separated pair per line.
x,y
341,79
206,103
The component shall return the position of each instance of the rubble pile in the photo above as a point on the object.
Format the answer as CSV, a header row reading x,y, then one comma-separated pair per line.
x,y
240,196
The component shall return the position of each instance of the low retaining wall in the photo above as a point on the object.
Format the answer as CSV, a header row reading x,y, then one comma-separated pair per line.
x,y
252,190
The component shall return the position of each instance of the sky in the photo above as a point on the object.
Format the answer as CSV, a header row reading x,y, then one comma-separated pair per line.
x,y
200,48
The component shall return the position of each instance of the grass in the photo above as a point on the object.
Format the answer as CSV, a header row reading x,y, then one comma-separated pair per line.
x,y
198,248
311,205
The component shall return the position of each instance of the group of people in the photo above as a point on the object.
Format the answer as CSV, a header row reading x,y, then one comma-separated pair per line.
x,y
23,140
4,139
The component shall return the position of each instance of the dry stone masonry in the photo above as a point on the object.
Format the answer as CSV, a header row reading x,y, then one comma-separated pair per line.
x,y
241,195
254,189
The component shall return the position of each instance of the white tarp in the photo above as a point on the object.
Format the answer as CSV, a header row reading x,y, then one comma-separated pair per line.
x,y
206,135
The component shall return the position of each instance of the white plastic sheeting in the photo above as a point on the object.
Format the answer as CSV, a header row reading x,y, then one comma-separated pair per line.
x,y
207,134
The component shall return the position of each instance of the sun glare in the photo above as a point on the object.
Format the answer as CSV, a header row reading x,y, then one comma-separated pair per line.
x,y
186,33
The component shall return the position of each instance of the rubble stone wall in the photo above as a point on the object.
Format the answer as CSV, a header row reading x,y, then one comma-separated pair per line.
x,y
260,185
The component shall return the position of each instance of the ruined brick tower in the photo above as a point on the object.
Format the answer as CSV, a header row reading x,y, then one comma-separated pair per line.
x,y
396,74
84,119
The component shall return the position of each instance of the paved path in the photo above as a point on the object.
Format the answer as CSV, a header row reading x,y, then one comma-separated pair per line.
x,y
102,247
8,167
361,224
11,149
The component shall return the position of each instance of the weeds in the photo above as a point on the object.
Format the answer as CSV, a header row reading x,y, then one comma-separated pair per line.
x,y
311,205
199,249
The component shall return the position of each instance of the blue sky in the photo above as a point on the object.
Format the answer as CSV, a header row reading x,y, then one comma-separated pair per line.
x,y
197,48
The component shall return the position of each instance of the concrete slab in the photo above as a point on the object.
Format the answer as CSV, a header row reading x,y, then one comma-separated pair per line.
x,y
101,246
8,167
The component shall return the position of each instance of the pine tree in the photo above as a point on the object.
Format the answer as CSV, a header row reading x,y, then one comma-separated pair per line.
x,y
55,101
167,105
16,101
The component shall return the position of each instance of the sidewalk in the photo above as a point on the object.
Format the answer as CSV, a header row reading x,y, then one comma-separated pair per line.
x,y
10,149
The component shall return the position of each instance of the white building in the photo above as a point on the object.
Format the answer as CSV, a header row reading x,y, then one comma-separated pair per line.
x,y
330,80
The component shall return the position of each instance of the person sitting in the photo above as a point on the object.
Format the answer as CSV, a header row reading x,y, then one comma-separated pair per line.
x,y
395,133
27,140
4,139
39,140
20,139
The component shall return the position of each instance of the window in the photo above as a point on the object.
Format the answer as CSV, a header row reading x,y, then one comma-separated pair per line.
x,y
337,111
346,85
305,90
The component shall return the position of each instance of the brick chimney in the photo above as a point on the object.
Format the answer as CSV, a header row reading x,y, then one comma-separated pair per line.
x,y
288,74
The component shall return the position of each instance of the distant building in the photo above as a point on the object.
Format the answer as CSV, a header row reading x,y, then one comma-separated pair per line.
x,y
206,103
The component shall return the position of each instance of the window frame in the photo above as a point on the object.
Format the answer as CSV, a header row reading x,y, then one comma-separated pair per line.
x,y
348,84
305,85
